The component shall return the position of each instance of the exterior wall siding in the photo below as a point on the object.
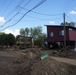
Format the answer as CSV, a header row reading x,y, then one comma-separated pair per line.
x,y
55,30
72,35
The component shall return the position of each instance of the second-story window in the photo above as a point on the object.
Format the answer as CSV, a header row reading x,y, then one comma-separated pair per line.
x,y
61,33
51,34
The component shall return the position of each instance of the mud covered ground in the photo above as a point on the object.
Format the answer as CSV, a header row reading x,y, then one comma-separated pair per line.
x,y
28,62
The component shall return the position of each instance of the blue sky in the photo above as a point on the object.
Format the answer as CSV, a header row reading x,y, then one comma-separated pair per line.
x,y
50,12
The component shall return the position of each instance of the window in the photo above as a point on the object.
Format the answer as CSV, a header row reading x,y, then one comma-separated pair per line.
x,y
61,33
51,34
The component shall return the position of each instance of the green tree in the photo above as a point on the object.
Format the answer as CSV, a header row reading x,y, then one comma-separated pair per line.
x,y
40,40
27,32
22,32
10,39
2,39
36,34
72,24
69,24
31,32
17,37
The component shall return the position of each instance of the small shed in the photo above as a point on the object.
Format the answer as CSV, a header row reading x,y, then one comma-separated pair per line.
x,y
24,42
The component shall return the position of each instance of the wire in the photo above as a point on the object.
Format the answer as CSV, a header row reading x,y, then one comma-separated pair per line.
x,y
10,19
41,2
7,7
69,18
43,19
3,4
15,14
27,3
14,9
41,13
33,8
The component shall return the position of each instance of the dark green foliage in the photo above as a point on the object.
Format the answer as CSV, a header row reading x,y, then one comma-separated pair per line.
x,y
7,39
10,39
17,37
39,41
2,39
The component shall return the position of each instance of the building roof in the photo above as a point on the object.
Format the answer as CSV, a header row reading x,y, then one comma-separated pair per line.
x,y
61,26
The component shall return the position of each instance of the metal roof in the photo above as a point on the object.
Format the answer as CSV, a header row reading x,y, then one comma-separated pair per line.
x,y
61,26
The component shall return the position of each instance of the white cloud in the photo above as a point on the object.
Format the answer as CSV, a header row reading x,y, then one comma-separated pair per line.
x,y
73,12
2,20
14,32
51,22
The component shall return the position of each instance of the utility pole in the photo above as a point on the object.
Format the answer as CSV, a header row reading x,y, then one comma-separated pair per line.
x,y
64,30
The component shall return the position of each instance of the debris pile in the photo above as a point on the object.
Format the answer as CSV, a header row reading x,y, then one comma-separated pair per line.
x,y
33,65
67,53
30,63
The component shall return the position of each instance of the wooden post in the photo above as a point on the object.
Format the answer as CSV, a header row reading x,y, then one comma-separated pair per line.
x,y
64,30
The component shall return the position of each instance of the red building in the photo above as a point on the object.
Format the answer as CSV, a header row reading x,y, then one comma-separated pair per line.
x,y
55,34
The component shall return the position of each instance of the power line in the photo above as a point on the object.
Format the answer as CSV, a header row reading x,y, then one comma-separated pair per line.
x,y
10,19
15,8
41,2
21,2
69,18
43,19
41,13
7,7
27,3
15,14
3,4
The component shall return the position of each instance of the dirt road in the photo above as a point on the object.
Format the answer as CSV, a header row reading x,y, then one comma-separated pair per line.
x,y
65,60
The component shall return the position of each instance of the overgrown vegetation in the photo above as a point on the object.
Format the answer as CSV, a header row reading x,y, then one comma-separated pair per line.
x,y
36,34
